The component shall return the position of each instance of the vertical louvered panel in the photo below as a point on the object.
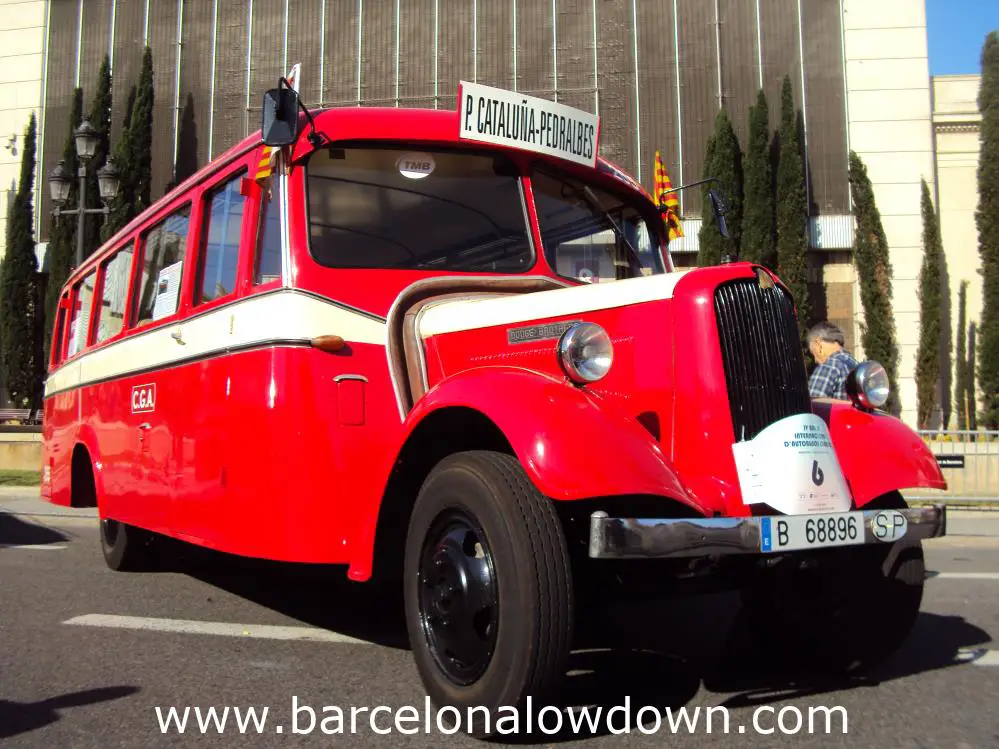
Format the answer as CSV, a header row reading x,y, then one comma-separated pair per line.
x,y
827,150
740,71
495,42
574,53
163,44
128,23
657,87
196,71
58,95
779,22
229,111
303,45
698,62
618,128
378,53
455,62
267,60
96,33
416,53
340,70
534,48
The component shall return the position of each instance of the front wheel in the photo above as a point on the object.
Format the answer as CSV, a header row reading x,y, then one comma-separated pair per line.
x,y
125,547
488,588
839,611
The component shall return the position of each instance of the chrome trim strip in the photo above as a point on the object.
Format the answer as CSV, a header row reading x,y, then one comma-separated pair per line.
x,y
339,378
653,538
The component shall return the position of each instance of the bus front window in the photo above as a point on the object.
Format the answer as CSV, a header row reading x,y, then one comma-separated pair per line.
x,y
399,209
592,235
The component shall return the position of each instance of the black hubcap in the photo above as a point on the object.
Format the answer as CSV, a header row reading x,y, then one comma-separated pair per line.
x,y
457,594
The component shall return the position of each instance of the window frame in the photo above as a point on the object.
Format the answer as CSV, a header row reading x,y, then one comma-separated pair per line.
x,y
258,206
57,344
522,182
88,334
238,171
142,244
605,184
130,242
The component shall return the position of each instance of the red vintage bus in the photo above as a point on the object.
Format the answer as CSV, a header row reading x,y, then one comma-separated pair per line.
x,y
450,348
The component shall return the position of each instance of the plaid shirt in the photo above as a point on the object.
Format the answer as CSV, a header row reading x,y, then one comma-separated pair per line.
x,y
829,378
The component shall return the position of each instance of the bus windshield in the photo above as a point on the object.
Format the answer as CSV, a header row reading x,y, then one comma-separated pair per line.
x,y
592,235
398,209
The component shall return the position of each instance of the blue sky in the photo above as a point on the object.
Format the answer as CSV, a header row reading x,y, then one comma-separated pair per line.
x,y
955,31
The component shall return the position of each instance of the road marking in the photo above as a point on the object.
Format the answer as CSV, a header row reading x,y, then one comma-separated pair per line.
x,y
966,575
979,656
35,547
223,629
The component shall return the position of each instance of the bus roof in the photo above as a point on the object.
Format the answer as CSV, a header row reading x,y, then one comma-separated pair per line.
x,y
402,125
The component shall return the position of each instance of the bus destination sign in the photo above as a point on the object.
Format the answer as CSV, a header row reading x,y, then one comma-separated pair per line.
x,y
507,118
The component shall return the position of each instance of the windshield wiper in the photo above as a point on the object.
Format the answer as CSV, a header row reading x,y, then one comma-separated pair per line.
x,y
595,203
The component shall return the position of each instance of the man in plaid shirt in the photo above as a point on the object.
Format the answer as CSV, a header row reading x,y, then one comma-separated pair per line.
x,y
828,380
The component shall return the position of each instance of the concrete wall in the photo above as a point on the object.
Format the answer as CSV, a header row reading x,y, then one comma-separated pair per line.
x,y
956,124
888,100
22,41
21,451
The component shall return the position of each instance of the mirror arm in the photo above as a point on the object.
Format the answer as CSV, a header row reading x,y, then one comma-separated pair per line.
x,y
314,137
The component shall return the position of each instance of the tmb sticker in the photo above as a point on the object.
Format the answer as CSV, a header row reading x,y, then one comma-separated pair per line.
x,y
144,398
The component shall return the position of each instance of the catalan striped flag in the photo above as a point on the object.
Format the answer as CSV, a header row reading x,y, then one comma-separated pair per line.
x,y
667,200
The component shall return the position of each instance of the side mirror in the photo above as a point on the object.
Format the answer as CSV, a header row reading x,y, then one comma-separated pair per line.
x,y
280,117
719,208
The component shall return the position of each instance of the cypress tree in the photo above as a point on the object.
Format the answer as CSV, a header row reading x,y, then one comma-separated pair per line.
x,y
987,220
121,207
961,404
969,368
870,255
100,118
758,224
62,234
141,136
19,317
792,212
709,240
723,161
928,363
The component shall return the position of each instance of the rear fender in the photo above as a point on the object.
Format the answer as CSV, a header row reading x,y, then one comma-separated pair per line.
x,y
572,444
878,453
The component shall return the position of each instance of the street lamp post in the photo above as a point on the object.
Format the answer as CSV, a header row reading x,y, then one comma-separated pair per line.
x,y
86,138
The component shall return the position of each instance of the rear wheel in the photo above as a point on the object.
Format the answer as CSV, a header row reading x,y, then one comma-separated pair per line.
x,y
839,611
488,588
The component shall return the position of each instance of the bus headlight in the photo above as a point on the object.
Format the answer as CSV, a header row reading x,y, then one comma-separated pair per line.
x,y
868,385
585,352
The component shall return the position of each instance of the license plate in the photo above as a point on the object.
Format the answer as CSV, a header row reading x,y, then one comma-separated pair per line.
x,y
791,532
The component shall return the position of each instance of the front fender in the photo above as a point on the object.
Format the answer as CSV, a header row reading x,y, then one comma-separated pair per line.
x,y
572,444
878,453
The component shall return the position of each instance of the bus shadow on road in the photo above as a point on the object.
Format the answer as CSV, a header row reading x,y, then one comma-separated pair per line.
x,y
316,595
15,531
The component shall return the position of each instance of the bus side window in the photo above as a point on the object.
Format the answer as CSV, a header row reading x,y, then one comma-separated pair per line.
x,y
267,262
162,268
79,326
55,354
114,292
218,260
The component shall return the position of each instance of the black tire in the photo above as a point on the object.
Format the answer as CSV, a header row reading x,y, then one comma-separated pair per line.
x,y
497,641
843,611
125,547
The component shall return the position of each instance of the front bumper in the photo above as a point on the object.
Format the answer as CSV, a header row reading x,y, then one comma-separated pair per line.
x,y
630,538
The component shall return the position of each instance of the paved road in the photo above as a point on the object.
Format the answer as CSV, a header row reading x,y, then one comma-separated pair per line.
x,y
87,655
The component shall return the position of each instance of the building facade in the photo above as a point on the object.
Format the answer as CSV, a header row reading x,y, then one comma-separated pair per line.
x,y
656,71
